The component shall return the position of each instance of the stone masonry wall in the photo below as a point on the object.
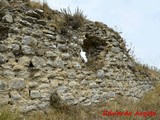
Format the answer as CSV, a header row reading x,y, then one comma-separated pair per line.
x,y
36,60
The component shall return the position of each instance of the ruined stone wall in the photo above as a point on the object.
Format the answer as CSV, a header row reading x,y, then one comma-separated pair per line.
x,y
36,60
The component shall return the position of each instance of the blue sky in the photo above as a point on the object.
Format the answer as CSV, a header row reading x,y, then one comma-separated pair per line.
x,y
139,20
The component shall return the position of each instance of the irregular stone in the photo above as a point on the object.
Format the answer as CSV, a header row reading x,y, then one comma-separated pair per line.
x,y
66,56
72,102
72,74
87,102
62,89
84,82
43,79
54,83
115,43
103,84
30,19
73,45
25,23
2,85
68,96
8,74
89,77
108,95
93,85
17,84
116,50
51,54
86,93
15,96
27,50
25,109
73,84
4,3
2,60
30,41
100,74
80,76
27,31
59,63
18,67
40,52
15,48
43,105
60,40
77,66
8,18
38,62
49,32
95,97
35,94
39,11
33,14
14,30
32,84
52,37
24,60
23,74
4,99
98,81
63,47
81,99
45,96
44,86
3,48
41,22
37,33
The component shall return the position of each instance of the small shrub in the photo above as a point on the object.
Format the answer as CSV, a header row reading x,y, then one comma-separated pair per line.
x,y
75,20
48,12
35,5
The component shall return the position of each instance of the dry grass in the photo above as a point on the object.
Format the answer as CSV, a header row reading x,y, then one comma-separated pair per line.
x,y
66,20
6,114
63,20
35,5
151,101
149,71
48,12
75,20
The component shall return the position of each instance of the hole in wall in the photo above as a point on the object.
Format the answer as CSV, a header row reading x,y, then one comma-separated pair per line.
x,y
16,60
30,64
3,32
90,52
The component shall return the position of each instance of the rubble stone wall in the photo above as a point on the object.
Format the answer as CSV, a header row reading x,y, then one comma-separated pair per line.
x,y
36,60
